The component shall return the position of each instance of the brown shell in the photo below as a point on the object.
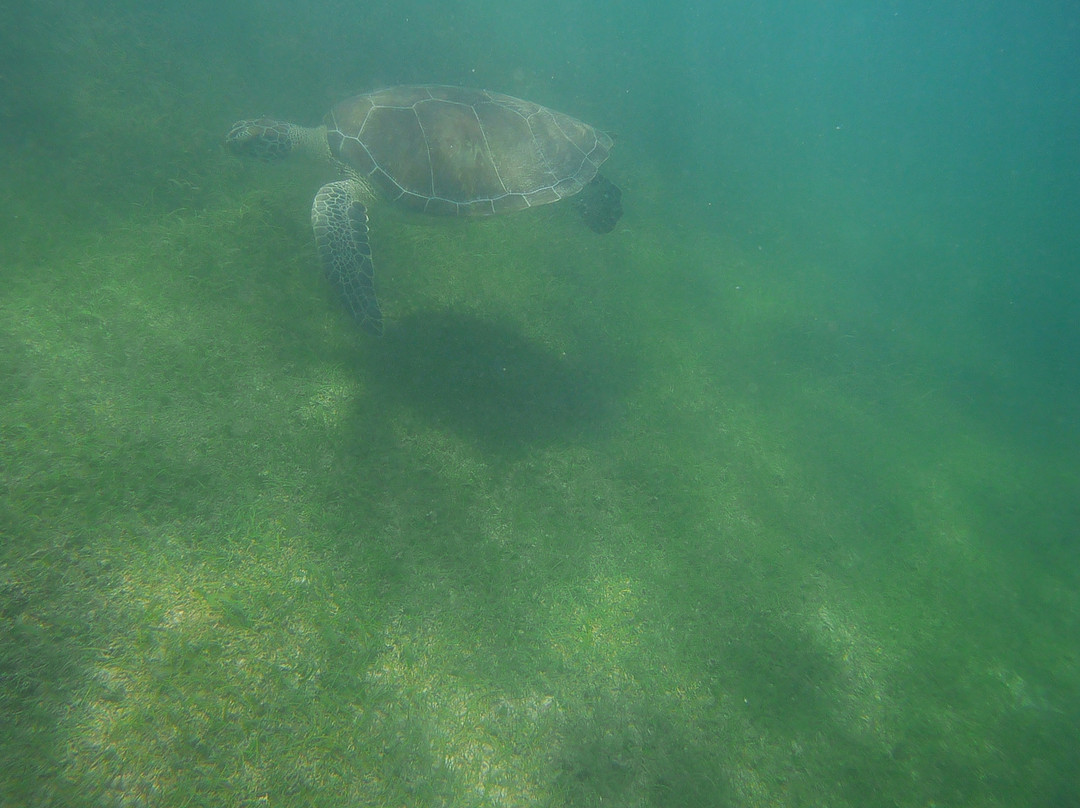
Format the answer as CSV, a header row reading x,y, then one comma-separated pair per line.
x,y
448,150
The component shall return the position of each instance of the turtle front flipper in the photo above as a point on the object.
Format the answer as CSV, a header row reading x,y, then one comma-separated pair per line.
x,y
339,220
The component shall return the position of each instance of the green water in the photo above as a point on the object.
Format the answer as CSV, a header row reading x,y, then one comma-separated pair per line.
x,y
767,498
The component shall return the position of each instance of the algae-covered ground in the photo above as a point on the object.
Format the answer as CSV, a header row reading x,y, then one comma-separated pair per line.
x,y
649,519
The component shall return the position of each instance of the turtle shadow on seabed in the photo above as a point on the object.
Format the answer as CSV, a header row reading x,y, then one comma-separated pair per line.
x,y
487,381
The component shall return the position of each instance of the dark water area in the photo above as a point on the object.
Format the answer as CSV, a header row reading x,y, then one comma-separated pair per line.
x,y
766,497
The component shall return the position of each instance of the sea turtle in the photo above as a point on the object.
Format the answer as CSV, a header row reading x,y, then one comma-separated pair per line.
x,y
438,150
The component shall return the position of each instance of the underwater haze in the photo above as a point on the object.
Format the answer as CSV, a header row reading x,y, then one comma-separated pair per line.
x,y
767,497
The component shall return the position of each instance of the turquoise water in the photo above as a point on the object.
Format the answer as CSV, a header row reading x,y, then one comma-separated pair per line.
x,y
766,498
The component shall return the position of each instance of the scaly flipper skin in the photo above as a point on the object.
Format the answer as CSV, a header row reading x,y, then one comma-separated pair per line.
x,y
339,220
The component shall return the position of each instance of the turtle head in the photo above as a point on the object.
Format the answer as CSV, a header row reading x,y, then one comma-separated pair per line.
x,y
265,138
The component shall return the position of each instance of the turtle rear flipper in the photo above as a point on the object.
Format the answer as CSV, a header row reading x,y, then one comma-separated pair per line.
x,y
600,204
339,220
